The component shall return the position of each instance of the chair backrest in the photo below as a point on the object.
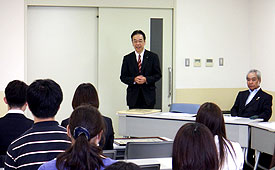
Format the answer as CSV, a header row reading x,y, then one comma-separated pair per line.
x,y
110,153
184,108
150,167
140,150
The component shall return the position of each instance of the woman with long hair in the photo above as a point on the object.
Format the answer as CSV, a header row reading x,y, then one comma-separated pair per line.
x,y
194,149
85,94
85,129
230,153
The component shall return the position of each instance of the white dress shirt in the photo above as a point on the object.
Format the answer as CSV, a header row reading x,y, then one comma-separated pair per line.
x,y
251,95
234,162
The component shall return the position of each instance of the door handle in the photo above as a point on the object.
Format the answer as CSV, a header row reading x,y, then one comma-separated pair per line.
x,y
170,82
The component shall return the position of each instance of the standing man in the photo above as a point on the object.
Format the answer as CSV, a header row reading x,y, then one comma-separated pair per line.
x,y
140,70
14,123
46,139
253,103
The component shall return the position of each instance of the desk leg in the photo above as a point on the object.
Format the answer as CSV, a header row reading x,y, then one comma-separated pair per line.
x,y
245,158
257,159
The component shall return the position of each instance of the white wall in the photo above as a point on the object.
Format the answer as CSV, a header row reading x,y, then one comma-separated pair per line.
x,y
212,29
11,41
262,14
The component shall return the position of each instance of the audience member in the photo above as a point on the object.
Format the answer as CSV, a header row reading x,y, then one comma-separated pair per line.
x,y
194,149
87,94
85,129
14,123
46,139
230,153
120,165
254,102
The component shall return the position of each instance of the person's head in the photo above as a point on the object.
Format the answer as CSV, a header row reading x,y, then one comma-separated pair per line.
x,y
138,40
211,116
253,79
120,165
194,148
16,94
44,97
85,128
85,93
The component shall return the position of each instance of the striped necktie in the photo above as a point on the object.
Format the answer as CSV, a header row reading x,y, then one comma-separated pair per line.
x,y
139,63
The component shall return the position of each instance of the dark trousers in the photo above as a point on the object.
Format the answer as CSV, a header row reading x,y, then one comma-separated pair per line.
x,y
141,104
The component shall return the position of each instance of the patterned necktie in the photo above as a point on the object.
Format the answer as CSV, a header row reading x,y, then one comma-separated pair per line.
x,y
139,63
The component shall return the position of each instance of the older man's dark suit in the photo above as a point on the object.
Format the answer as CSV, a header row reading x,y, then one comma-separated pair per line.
x,y
150,69
260,105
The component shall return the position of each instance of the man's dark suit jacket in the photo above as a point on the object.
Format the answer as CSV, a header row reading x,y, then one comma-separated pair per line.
x,y
12,125
109,133
150,69
260,105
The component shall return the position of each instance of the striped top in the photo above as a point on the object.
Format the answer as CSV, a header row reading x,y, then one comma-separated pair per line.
x,y
42,143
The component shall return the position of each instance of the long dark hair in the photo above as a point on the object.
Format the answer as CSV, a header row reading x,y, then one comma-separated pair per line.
x,y
194,149
85,123
211,116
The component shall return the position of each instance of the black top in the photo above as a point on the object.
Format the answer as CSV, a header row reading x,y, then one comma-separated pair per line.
x,y
12,125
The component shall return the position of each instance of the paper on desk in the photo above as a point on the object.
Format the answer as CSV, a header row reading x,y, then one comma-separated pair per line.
x,y
270,125
139,111
170,114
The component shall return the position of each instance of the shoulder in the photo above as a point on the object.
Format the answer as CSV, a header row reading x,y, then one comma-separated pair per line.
x,y
51,165
263,93
132,54
150,53
107,119
108,161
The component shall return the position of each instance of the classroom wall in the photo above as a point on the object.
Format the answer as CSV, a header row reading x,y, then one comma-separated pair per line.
x,y
11,41
212,29
262,31
240,31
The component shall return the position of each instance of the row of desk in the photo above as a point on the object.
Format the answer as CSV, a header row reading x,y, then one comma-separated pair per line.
x,y
261,135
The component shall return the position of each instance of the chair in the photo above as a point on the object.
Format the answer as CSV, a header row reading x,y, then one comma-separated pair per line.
x,y
150,167
110,153
140,150
184,108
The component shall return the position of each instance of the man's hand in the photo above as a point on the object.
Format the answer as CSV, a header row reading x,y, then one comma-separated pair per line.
x,y
254,117
140,79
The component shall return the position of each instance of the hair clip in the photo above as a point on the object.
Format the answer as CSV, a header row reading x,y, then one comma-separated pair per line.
x,y
196,128
81,130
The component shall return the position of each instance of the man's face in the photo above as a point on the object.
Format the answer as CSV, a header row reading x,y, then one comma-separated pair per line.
x,y
138,43
252,81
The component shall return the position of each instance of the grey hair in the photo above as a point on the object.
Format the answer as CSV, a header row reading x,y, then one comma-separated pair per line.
x,y
257,72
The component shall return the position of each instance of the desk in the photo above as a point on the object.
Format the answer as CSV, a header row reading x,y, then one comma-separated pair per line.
x,y
167,124
165,163
262,138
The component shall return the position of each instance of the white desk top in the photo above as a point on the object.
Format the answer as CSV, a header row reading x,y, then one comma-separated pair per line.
x,y
165,163
270,126
191,117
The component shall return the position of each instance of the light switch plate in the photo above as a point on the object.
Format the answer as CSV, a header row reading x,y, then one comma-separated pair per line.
x,y
197,62
209,62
